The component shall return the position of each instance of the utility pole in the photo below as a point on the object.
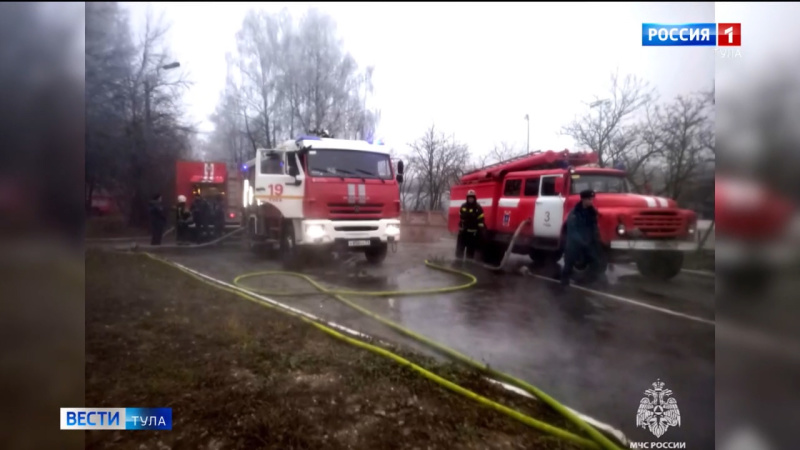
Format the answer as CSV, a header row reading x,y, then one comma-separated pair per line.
x,y
528,145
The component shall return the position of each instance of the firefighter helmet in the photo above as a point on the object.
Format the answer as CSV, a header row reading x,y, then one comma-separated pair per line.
x,y
181,199
471,193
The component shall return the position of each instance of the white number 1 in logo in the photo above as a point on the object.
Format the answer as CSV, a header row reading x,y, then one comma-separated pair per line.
x,y
729,32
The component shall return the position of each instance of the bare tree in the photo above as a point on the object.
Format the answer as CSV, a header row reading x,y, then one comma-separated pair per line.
x,y
502,152
287,78
230,140
603,127
134,128
409,186
109,53
438,161
678,133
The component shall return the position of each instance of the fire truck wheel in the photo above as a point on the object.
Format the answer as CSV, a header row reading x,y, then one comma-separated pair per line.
x,y
248,240
376,255
545,258
290,254
492,253
660,266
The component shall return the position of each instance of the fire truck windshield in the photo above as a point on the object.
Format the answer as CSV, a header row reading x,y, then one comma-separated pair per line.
x,y
338,163
600,183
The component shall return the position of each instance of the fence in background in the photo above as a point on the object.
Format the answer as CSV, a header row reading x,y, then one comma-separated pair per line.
x,y
423,226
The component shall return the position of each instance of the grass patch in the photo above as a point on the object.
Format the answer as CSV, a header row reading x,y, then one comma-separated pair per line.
x,y
240,376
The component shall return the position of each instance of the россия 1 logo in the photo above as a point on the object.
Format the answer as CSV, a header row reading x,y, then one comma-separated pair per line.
x,y
691,34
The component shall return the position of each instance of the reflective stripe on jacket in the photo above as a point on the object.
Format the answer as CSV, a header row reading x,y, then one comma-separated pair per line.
x,y
471,216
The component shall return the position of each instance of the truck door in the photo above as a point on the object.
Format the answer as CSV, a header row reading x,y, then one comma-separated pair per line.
x,y
530,192
274,184
548,212
507,217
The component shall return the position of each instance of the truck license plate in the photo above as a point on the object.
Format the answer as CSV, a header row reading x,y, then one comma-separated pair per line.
x,y
665,245
364,243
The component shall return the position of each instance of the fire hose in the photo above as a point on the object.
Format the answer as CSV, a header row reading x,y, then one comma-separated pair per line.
x,y
598,439
135,246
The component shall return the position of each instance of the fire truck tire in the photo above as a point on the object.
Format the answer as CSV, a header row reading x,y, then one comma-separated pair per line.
x,y
661,266
376,255
248,240
492,253
289,251
544,258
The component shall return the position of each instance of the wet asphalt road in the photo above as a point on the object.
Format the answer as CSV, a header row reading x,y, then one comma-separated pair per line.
x,y
594,354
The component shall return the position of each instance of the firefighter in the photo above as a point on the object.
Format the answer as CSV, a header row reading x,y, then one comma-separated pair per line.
x,y
199,212
157,220
582,244
183,219
470,226
218,215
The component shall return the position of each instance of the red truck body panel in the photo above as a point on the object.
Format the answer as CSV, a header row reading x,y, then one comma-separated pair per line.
x,y
200,174
327,198
189,174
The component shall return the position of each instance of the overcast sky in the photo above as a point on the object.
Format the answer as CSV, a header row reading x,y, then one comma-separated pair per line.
x,y
473,69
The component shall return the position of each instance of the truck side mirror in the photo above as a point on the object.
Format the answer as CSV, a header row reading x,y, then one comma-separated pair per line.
x,y
399,178
293,171
400,168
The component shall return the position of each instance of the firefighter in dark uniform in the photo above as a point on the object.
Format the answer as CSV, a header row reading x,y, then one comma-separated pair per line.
x,y
218,215
583,245
199,210
470,227
157,220
183,218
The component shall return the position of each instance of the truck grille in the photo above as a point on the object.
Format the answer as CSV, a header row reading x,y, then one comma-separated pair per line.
x,y
657,224
357,228
350,209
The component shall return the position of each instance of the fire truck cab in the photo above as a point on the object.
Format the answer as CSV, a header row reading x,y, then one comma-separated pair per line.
x,y
322,194
544,187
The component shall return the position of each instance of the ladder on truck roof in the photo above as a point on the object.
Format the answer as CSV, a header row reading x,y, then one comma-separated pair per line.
x,y
498,164
537,160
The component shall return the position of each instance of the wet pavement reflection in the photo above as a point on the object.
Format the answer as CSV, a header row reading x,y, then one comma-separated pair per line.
x,y
592,353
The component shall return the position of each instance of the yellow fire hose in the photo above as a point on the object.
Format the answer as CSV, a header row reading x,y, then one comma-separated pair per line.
x,y
598,439
523,418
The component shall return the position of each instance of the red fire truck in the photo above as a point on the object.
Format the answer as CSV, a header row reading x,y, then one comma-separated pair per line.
x,y
757,233
544,187
320,193
209,179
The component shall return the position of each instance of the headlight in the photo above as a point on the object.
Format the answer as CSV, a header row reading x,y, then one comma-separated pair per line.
x,y
392,230
621,229
315,231
692,228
